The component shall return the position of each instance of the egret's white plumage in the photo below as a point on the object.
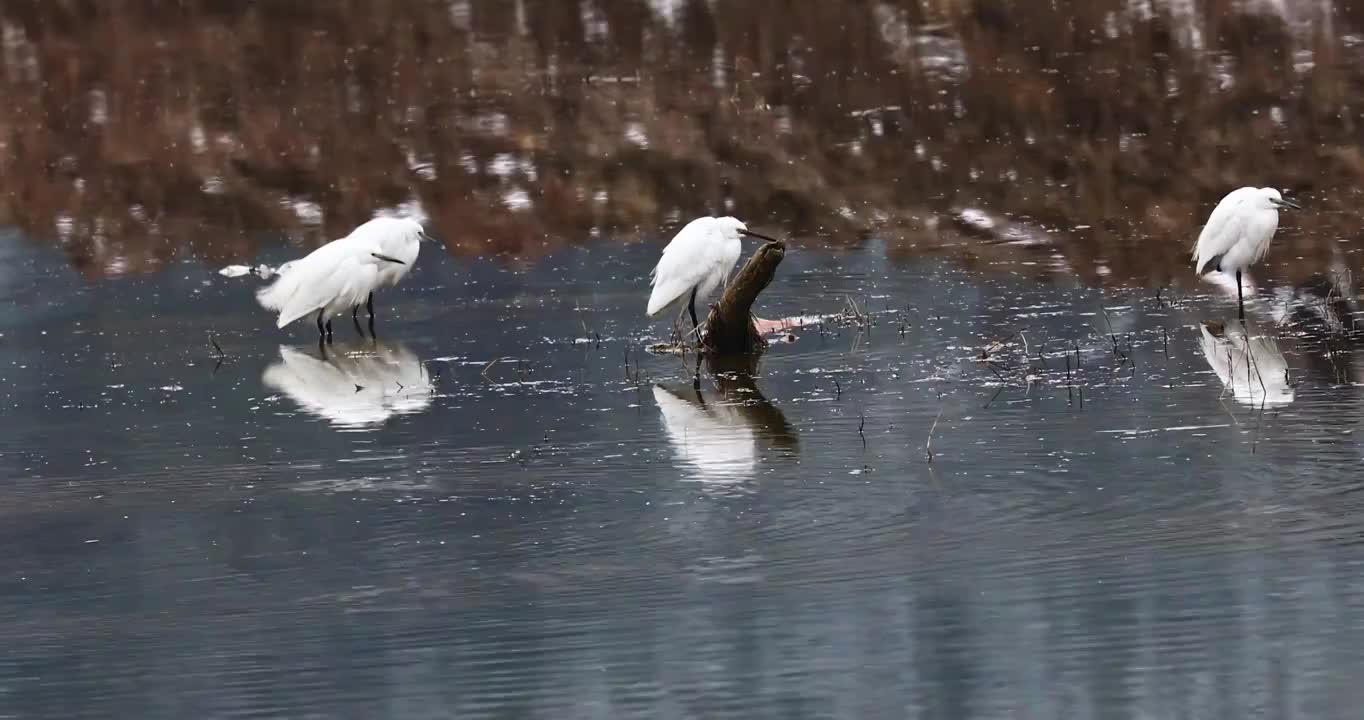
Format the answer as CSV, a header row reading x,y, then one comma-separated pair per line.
x,y
344,273
696,261
1239,231
331,279
699,257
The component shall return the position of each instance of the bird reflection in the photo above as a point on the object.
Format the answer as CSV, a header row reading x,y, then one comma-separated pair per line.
x,y
721,434
1248,363
353,387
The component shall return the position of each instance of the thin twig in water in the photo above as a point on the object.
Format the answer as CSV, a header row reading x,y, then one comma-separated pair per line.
x,y
1259,421
838,389
862,422
1230,414
1250,358
992,397
928,446
1111,336
1070,393
490,365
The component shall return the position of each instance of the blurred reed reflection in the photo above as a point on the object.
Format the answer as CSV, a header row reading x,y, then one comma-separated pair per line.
x,y
133,133
354,387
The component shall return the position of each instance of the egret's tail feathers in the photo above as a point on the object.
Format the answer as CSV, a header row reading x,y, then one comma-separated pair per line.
x,y
291,314
276,294
660,301
280,296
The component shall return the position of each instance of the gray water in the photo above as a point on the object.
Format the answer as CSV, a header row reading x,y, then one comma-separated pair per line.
x,y
1029,466
402,530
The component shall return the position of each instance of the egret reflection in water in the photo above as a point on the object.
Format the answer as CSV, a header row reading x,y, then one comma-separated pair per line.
x,y
722,434
355,386
1248,363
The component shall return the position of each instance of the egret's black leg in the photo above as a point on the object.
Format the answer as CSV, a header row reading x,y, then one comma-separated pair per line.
x,y
696,376
320,330
372,336
355,318
1240,303
691,308
329,331
369,305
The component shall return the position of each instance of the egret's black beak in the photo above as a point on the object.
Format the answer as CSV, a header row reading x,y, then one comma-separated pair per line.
x,y
750,233
1286,204
386,258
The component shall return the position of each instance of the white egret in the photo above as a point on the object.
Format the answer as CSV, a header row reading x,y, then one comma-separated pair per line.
x,y
398,238
696,261
1238,232
343,273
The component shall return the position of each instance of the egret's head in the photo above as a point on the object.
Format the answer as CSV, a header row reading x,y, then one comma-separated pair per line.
x,y
416,227
412,228
1276,201
733,229
392,228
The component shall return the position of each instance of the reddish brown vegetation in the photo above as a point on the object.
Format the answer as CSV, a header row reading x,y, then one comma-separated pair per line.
x,y
131,132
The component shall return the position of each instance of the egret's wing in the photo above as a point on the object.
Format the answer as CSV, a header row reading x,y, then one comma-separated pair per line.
x,y
1259,230
310,283
696,252
1225,225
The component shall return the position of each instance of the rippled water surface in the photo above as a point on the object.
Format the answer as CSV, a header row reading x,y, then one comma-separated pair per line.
x,y
410,529
1026,466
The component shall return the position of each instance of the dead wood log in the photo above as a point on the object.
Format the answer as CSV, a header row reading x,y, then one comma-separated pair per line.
x,y
729,326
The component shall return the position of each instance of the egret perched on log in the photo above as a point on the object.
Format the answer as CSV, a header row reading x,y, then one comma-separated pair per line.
x,y
1238,232
696,262
344,273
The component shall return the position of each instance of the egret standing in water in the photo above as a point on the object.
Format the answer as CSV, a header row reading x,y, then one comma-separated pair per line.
x,y
344,273
1238,232
398,238
696,262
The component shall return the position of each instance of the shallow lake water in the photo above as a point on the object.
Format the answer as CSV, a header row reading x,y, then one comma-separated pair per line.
x,y
410,529
1026,465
